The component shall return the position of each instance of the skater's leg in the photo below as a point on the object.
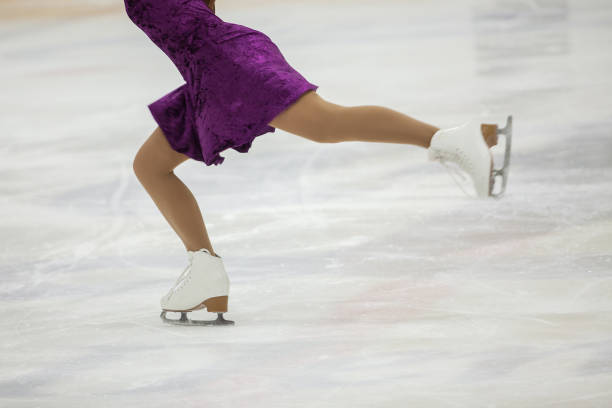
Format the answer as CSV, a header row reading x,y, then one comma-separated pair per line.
x,y
153,165
315,118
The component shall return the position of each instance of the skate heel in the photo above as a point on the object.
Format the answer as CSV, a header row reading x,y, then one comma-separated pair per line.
x,y
489,133
216,304
502,172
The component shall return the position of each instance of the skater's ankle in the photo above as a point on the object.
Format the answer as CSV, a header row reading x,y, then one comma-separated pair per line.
x,y
432,133
210,251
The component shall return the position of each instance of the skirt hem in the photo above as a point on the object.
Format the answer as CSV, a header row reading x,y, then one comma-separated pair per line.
x,y
173,134
264,125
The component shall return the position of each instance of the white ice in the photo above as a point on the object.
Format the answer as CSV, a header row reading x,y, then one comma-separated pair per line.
x,y
361,275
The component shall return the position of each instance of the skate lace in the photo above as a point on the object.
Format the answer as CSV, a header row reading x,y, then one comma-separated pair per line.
x,y
182,276
181,279
456,165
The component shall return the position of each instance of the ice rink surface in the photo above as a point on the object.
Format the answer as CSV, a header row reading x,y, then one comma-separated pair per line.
x,y
361,275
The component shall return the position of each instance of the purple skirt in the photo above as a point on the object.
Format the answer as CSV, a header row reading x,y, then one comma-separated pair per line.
x,y
236,79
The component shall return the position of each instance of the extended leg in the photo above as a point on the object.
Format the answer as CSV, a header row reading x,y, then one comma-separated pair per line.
x,y
153,165
315,118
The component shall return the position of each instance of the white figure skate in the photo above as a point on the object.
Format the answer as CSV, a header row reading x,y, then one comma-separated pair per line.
x,y
468,147
203,284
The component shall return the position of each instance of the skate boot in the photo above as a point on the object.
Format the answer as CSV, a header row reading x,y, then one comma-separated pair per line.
x,y
203,284
467,147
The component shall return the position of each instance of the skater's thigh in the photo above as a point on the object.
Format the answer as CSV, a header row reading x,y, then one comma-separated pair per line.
x,y
156,156
310,116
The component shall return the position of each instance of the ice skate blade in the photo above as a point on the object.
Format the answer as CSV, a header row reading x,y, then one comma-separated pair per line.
x,y
503,171
185,321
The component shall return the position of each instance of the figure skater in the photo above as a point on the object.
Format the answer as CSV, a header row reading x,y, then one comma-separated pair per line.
x,y
239,86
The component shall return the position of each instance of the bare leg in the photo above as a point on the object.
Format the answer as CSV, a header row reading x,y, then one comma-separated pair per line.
x,y
153,165
315,118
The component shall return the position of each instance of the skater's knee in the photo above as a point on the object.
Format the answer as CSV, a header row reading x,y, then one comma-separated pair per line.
x,y
155,157
140,164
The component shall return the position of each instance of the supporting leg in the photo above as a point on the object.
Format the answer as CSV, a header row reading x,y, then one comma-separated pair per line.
x,y
153,165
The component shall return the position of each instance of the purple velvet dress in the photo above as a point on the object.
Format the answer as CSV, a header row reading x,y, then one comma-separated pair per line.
x,y
236,78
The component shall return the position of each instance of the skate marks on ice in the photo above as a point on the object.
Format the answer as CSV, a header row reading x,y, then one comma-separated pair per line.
x,y
361,279
537,28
